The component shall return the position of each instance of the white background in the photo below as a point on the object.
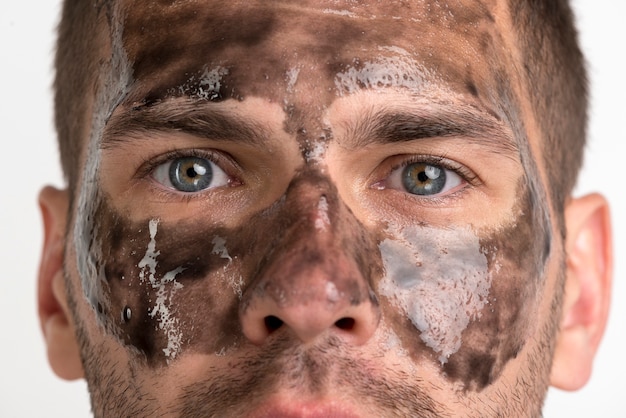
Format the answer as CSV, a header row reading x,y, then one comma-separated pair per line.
x,y
27,386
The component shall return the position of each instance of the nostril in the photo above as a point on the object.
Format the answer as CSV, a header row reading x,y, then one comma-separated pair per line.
x,y
272,323
345,324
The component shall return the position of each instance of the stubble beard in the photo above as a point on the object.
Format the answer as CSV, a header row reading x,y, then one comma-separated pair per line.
x,y
118,389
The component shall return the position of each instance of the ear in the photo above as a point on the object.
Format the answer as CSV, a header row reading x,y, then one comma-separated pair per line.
x,y
54,314
588,248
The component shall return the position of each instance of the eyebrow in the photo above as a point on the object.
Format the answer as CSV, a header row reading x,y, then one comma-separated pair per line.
x,y
197,118
387,125
393,125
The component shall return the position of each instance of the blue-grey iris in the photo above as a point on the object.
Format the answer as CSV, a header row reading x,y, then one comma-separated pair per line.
x,y
423,179
191,174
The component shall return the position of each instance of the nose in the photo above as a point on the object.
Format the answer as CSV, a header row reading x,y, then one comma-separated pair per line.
x,y
312,284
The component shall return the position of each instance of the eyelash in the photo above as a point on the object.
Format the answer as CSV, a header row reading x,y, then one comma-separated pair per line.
x,y
228,165
225,162
438,160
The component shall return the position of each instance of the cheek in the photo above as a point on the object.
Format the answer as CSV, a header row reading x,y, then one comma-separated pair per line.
x,y
439,280
464,300
166,288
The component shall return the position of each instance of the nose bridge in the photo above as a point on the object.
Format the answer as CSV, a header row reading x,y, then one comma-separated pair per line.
x,y
311,214
311,282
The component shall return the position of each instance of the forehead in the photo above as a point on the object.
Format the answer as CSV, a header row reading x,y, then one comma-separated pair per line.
x,y
258,44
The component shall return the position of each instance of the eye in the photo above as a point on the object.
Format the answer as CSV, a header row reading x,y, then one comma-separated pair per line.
x,y
190,174
423,179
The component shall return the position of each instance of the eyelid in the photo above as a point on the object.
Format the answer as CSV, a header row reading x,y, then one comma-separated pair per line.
x,y
224,161
466,174
400,161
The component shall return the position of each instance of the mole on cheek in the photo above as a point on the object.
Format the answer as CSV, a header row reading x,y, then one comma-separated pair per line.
x,y
463,299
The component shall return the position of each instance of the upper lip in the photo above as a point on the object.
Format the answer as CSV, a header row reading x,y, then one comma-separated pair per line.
x,y
298,409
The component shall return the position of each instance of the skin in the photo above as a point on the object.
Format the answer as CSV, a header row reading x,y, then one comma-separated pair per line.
x,y
311,282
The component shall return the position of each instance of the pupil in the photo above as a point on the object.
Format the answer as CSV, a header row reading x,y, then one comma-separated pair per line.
x,y
424,179
191,174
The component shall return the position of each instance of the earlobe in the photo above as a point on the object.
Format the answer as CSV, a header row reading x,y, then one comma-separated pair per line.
x,y
588,248
54,314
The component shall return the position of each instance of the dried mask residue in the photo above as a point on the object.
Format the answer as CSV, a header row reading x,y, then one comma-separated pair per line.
x,y
440,279
399,71
234,280
112,86
207,85
165,287
467,299
219,247
292,79
322,221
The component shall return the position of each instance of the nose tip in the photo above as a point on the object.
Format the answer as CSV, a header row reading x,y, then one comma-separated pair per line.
x,y
308,321
344,307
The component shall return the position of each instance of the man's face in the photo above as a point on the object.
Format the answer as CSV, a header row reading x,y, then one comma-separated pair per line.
x,y
321,208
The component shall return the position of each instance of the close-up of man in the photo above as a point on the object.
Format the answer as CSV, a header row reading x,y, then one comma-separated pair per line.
x,y
321,209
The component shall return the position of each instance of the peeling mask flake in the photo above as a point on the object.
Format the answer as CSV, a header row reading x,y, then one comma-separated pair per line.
x,y
384,73
464,298
440,279
152,283
207,85
166,288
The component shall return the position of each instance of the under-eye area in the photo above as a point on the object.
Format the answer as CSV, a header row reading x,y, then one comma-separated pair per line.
x,y
466,299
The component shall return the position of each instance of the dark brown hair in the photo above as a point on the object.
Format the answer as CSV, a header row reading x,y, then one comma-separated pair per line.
x,y
555,73
77,63
553,67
